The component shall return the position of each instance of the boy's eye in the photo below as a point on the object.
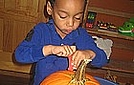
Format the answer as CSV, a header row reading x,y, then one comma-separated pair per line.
x,y
62,14
78,18
63,17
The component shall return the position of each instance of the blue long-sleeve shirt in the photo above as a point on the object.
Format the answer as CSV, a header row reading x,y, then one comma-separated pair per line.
x,y
30,49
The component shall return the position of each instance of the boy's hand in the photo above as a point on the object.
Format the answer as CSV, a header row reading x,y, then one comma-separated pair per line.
x,y
64,50
81,55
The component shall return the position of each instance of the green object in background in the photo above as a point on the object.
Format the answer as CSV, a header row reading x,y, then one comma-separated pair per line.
x,y
127,28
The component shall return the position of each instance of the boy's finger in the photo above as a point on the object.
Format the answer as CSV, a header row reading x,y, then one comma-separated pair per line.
x,y
73,48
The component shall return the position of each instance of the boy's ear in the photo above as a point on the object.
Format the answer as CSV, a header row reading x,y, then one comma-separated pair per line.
x,y
49,8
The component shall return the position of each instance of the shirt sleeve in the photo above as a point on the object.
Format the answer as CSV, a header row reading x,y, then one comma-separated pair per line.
x,y
30,49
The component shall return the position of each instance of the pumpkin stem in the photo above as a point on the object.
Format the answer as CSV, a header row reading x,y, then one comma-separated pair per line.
x,y
79,77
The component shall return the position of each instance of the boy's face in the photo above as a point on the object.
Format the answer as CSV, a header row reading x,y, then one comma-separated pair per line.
x,y
67,15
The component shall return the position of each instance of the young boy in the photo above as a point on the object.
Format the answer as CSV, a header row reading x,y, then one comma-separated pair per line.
x,y
49,44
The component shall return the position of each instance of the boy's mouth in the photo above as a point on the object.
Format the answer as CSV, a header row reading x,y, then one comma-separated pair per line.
x,y
69,31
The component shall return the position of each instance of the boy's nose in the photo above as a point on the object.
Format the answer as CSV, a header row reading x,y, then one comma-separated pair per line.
x,y
70,23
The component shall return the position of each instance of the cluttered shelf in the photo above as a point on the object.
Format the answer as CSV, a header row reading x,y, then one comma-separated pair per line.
x,y
110,34
107,28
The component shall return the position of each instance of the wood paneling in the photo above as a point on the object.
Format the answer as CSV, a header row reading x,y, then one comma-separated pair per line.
x,y
111,12
116,5
7,35
1,33
17,17
1,3
20,31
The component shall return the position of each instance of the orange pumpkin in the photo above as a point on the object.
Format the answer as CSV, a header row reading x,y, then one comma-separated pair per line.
x,y
71,78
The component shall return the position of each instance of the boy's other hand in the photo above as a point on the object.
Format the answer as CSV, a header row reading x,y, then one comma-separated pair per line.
x,y
64,50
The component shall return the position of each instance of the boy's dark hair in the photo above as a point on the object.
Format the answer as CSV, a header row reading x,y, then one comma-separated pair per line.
x,y
52,4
